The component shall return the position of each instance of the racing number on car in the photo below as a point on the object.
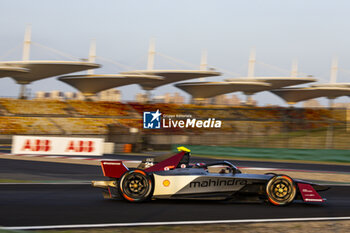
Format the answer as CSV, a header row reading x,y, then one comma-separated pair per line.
x,y
148,164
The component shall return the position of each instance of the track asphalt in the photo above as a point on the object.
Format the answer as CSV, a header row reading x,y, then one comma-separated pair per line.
x,y
62,204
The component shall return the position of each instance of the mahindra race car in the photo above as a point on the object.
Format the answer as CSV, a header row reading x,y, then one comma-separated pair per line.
x,y
173,177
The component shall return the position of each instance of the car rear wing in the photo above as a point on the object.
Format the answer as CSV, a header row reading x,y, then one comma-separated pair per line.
x,y
114,169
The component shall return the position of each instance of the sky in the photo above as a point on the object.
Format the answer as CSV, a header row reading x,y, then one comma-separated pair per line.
x,y
313,32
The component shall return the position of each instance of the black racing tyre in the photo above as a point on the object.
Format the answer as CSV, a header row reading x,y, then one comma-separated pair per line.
x,y
280,190
135,186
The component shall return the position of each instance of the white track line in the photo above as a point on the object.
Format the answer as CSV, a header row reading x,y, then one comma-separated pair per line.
x,y
137,224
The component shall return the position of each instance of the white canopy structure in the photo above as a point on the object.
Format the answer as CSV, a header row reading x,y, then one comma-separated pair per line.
x,y
171,76
89,85
295,95
201,90
330,90
26,71
275,82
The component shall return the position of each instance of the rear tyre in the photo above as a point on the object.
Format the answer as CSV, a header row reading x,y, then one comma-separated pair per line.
x,y
280,190
135,186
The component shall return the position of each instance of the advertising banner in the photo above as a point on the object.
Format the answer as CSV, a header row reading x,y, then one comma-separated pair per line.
x,y
57,145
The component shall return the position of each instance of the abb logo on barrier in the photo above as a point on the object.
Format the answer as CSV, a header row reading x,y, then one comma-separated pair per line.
x,y
80,146
46,145
37,145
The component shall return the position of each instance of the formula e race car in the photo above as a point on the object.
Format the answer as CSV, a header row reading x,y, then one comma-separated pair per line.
x,y
173,177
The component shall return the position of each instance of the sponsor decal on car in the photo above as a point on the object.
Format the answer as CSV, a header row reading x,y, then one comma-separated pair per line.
x,y
218,182
166,183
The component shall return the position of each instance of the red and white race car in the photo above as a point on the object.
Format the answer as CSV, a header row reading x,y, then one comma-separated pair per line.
x,y
173,177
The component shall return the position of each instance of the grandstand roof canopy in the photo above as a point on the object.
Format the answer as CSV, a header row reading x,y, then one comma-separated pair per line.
x,y
6,71
199,90
343,85
25,72
294,95
91,84
277,82
171,76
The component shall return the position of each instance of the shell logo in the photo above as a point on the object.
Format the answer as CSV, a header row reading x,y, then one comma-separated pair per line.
x,y
166,183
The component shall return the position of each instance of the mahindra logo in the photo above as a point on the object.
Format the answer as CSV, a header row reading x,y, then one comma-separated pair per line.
x,y
217,182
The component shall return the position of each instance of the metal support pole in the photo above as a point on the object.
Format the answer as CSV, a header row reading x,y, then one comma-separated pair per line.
x,y
22,93
249,99
148,96
151,53
251,66
334,70
330,104
329,136
204,63
294,72
204,60
92,55
26,43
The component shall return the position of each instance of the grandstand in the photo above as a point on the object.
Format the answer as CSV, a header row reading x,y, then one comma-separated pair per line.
x,y
102,108
34,107
84,126
65,114
164,108
27,125
241,126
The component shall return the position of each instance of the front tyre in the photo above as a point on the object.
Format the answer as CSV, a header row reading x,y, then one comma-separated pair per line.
x,y
135,186
280,190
